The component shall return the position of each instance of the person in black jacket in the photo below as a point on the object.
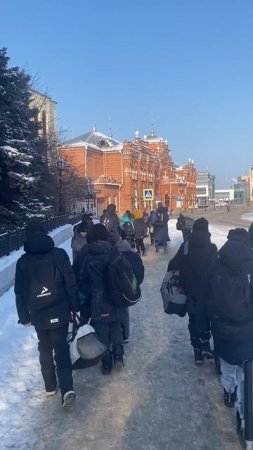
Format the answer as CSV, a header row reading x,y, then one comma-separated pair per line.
x,y
139,232
46,294
161,234
124,247
109,218
230,306
91,267
195,259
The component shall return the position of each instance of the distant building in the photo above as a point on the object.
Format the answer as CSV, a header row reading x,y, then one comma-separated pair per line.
x,y
120,172
47,117
47,114
224,195
205,188
242,191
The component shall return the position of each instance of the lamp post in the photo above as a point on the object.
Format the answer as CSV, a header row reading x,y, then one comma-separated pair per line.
x,y
60,167
88,180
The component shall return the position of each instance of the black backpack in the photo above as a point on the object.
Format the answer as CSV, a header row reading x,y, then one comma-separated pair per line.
x,y
123,286
128,229
229,303
107,221
45,289
160,218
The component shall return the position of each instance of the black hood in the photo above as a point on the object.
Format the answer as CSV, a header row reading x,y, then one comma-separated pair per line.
x,y
237,253
38,243
111,209
199,238
100,248
99,254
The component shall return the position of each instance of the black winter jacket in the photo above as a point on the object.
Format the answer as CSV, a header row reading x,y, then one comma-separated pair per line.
x,y
90,268
139,228
195,269
40,247
237,318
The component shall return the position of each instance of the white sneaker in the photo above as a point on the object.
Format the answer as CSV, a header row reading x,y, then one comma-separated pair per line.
x,y
50,393
68,398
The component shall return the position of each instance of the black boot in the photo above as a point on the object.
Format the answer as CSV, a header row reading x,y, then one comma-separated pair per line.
x,y
198,356
107,363
118,352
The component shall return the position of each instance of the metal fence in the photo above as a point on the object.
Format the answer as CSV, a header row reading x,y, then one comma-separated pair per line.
x,y
13,240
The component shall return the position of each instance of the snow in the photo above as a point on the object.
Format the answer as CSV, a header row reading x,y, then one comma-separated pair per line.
x,y
22,397
8,263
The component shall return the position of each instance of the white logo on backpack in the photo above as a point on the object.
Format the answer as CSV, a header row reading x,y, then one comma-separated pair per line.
x,y
54,320
45,292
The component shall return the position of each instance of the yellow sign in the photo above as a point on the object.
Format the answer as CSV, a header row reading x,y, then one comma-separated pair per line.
x,y
148,195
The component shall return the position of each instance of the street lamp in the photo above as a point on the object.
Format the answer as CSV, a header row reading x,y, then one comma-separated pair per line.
x,y
88,190
60,166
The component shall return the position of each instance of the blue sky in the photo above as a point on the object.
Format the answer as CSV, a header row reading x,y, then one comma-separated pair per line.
x,y
185,65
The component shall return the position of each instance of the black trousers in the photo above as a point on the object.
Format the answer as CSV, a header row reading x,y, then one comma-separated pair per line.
x,y
109,333
124,322
140,245
52,347
198,337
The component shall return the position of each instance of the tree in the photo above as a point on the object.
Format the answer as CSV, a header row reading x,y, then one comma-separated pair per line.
x,y
23,168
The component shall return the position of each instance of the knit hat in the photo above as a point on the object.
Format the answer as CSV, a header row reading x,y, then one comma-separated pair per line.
x,y
34,226
82,227
97,233
200,225
239,234
137,215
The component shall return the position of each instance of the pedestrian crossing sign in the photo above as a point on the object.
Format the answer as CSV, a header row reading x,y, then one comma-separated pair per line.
x,y
148,194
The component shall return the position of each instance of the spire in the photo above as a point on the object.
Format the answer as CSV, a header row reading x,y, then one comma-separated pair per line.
x,y
94,128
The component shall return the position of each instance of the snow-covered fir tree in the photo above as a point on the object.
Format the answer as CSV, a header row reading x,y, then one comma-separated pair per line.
x,y
23,169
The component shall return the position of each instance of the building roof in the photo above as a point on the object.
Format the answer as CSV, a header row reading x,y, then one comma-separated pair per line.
x,y
97,139
152,137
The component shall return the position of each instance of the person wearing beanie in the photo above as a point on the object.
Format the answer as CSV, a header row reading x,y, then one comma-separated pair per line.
x,y
46,295
79,239
139,233
230,307
195,260
86,220
91,269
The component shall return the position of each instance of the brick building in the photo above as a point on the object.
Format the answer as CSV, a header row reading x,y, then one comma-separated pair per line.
x,y
118,172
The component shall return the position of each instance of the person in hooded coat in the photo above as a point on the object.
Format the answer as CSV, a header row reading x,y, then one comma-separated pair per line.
x,y
86,220
161,234
195,259
230,306
49,312
79,239
110,219
91,268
